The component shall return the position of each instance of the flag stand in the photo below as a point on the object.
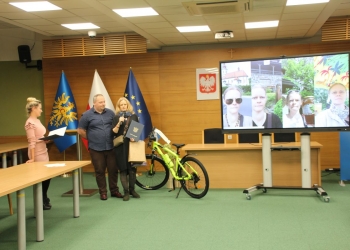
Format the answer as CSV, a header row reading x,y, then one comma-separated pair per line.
x,y
65,175
82,191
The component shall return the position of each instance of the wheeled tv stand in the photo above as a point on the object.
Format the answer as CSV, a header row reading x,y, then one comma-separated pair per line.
x,y
305,168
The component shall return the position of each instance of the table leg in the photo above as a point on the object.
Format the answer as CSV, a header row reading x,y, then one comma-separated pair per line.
x,y
14,158
38,200
4,160
76,212
21,220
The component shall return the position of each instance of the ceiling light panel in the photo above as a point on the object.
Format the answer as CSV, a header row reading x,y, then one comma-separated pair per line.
x,y
303,2
258,25
80,26
35,6
136,12
193,28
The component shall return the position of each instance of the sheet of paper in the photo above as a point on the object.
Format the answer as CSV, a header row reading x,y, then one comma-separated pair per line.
x,y
54,134
59,131
55,165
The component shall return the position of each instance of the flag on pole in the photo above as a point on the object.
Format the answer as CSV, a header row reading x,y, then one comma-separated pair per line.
x,y
64,114
98,88
134,95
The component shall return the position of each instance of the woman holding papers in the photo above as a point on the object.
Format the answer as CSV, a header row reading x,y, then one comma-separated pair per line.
x,y
124,115
37,150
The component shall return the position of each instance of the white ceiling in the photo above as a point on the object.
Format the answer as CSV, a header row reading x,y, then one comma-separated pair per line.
x,y
294,21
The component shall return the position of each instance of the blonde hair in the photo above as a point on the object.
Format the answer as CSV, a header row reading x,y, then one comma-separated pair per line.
x,y
31,102
130,107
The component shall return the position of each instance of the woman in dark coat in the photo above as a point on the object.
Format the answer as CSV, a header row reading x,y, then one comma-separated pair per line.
x,y
124,115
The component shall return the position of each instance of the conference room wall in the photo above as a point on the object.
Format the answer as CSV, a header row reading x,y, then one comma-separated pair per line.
x,y
168,84
17,83
166,79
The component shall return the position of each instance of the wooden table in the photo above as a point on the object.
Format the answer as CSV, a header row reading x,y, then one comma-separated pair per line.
x,y
18,178
9,147
240,165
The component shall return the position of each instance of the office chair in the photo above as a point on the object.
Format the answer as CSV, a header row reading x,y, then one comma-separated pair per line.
x,y
284,137
249,138
213,135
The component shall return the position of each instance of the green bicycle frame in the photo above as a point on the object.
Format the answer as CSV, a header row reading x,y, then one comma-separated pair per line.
x,y
156,146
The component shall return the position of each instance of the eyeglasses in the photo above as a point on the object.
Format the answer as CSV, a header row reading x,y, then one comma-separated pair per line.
x,y
230,101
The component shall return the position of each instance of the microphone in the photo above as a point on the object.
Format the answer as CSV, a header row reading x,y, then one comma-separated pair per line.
x,y
122,114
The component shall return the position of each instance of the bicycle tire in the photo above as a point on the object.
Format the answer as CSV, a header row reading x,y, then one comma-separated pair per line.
x,y
155,179
198,186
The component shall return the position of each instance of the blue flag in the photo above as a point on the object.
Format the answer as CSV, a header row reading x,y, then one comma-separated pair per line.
x,y
64,114
133,94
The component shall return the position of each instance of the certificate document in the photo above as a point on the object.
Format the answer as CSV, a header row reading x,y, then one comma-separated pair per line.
x,y
134,130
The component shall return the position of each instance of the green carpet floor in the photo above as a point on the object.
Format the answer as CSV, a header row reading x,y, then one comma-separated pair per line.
x,y
224,219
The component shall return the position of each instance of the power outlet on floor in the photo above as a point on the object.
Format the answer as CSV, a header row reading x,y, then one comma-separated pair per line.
x,y
229,137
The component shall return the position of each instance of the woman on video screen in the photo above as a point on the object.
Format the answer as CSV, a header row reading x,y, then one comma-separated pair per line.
x,y
337,115
232,98
293,118
259,115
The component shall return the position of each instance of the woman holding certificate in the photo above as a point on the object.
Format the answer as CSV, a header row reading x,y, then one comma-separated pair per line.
x,y
124,115
37,150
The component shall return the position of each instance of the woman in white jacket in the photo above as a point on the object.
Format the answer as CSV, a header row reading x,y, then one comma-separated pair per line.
x,y
337,115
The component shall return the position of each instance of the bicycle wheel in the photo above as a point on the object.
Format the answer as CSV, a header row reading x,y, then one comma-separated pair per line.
x,y
198,185
152,175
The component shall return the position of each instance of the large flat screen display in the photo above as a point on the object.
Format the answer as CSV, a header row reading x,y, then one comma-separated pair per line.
x,y
286,94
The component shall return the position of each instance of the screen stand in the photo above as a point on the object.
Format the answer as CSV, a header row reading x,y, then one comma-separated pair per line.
x,y
305,168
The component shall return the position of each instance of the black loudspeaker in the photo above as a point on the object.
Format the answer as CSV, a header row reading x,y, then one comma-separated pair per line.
x,y
24,54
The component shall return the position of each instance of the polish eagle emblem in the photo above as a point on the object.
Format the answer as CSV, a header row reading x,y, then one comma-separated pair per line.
x,y
207,83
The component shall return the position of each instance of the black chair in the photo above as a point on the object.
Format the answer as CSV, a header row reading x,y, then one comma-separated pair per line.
x,y
284,137
249,138
213,135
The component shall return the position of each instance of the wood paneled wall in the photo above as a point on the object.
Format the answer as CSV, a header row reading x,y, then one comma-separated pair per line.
x,y
168,84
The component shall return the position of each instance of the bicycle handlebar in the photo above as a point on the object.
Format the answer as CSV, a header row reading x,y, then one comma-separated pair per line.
x,y
155,132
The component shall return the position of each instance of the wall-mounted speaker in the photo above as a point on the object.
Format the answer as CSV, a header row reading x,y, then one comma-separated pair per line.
x,y
24,54
39,64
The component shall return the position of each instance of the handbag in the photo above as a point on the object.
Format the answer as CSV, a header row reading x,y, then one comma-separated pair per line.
x,y
118,140
137,152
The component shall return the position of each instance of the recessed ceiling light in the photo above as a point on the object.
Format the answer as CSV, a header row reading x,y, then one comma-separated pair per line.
x,y
302,2
193,28
35,6
258,25
136,12
80,26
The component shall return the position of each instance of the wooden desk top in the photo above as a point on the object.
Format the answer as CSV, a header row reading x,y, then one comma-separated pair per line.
x,y
7,147
24,175
245,146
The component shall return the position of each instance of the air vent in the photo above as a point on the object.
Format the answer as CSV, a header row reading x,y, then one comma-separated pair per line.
x,y
101,45
337,28
215,8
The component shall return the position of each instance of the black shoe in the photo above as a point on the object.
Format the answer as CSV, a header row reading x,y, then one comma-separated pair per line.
x,y
46,204
46,207
134,194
